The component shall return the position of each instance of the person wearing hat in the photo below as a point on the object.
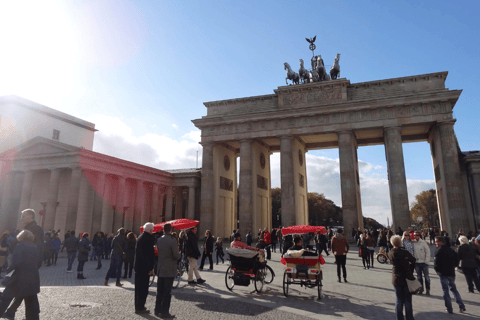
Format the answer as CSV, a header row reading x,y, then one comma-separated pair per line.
x,y
237,243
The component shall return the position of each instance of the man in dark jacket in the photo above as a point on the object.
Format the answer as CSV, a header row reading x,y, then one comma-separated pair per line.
x,y
208,249
446,260
144,262
28,219
71,243
116,260
26,285
193,255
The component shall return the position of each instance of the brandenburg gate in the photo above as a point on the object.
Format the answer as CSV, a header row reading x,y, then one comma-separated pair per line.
x,y
321,115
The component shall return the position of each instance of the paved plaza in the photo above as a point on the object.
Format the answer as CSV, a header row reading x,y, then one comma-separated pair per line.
x,y
368,295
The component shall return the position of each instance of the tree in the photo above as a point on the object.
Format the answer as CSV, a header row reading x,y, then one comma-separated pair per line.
x,y
371,223
321,211
425,206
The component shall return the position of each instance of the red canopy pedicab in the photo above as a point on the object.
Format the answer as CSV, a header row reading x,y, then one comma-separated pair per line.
x,y
302,267
182,267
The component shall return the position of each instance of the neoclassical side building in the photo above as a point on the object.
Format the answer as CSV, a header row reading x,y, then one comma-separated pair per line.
x,y
74,188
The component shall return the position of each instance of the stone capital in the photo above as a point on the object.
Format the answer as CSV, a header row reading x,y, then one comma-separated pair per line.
x,y
449,122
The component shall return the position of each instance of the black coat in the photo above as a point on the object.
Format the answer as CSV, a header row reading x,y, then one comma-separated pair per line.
x,y
99,246
83,249
25,263
446,260
130,251
144,254
466,255
208,244
192,245
401,270
37,231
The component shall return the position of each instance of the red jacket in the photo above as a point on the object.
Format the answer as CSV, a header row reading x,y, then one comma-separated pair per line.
x,y
267,237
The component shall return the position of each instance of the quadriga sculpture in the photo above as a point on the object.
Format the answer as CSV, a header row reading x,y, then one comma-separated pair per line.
x,y
335,69
291,75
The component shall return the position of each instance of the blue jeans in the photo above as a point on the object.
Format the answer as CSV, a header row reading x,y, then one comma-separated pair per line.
x,y
71,259
404,298
449,283
422,269
116,262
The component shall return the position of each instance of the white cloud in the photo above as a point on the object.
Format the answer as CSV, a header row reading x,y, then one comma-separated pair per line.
x,y
174,125
117,139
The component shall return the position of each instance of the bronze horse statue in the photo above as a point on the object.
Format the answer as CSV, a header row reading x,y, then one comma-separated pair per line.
x,y
291,75
335,69
304,74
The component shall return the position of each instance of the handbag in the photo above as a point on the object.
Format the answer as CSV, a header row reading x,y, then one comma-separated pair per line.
x,y
414,286
9,279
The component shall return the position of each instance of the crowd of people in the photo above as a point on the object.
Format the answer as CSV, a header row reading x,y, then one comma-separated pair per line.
x,y
24,251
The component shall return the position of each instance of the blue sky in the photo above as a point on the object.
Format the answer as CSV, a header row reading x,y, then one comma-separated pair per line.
x,y
141,70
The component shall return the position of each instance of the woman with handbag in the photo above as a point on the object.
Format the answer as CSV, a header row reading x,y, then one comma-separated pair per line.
x,y
23,280
467,256
83,250
401,271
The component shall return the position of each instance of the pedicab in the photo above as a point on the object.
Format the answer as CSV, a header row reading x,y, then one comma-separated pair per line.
x,y
182,267
302,267
247,266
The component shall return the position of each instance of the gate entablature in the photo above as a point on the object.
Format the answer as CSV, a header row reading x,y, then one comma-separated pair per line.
x,y
414,102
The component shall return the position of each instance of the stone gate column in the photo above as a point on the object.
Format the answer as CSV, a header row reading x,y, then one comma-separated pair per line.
x,y
178,202
121,196
66,216
155,194
349,182
207,200
245,188
287,181
457,207
52,196
85,206
396,177
6,214
107,210
161,205
26,190
169,204
140,212
191,203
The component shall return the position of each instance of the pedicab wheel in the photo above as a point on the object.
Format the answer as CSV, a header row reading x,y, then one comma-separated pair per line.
x,y
319,287
259,280
381,258
268,274
286,283
229,279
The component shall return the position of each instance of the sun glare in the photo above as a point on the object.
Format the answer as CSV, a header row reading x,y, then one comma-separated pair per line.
x,y
38,49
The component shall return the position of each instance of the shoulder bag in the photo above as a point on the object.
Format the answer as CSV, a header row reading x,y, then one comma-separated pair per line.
x,y
9,279
414,286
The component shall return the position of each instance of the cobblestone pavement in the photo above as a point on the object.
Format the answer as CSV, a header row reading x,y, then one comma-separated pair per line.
x,y
368,295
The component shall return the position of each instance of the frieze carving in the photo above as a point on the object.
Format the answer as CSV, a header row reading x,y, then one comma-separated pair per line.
x,y
306,121
324,95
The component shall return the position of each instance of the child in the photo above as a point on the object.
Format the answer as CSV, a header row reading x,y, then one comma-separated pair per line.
x,y
219,249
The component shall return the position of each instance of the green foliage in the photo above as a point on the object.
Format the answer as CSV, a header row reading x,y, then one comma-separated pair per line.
x,y
321,211
425,206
